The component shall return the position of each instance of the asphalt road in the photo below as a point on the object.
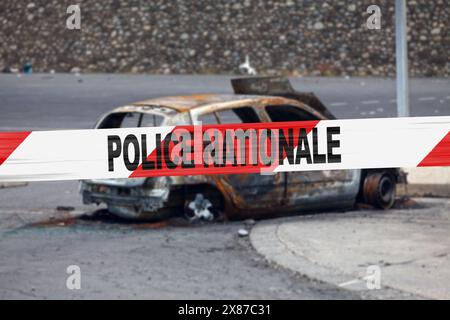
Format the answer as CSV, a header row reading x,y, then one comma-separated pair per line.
x,y
127,261
146,261
65,101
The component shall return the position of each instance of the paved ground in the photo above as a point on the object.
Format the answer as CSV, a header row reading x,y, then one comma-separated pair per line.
x,y
142,261
410,246
122,261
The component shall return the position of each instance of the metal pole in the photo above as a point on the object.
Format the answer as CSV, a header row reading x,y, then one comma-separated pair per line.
x,y
402,59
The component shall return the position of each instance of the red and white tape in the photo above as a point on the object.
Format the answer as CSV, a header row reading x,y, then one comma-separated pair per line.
x,y
225,149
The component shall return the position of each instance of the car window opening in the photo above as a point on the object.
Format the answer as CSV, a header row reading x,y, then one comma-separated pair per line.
x,y
282,113
130,120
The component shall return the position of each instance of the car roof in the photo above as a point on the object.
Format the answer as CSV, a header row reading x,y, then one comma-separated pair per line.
x,y
185,103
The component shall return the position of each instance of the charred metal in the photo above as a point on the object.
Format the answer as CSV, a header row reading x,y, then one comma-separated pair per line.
x,y
249,193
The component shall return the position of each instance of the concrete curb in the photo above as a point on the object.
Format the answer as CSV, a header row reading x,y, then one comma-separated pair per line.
x,y
409,245
426,182
5,185
264,238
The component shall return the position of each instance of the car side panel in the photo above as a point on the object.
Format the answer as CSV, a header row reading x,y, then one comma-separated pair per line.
x,y
253,190
322,189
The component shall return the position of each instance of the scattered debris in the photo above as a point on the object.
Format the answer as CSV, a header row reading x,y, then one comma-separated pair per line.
x,y
406,202
243,233
151,225
102,218
53,222
65,208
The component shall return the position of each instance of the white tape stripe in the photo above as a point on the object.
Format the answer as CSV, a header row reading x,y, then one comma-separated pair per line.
x,y
69,155
380,143
364,143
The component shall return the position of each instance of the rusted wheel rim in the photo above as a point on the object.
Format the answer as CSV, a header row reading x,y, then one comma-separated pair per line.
x,y
379,190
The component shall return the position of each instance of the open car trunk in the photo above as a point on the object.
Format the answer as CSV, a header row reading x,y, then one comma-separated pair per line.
x,y
278,86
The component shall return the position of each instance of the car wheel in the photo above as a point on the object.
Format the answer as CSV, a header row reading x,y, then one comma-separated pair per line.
x,y
380,190
199,208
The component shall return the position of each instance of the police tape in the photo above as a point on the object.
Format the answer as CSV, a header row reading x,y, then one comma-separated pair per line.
x,y
264,148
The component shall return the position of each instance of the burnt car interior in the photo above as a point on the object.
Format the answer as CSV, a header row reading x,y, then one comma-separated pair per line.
x,y
130,120
229,116
283,113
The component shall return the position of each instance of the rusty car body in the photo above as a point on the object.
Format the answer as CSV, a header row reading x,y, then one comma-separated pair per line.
x,y
266,99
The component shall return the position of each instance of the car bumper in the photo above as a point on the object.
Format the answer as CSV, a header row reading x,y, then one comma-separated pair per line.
x,y
135,199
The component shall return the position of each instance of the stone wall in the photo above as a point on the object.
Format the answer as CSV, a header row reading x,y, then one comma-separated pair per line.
x,y
308,37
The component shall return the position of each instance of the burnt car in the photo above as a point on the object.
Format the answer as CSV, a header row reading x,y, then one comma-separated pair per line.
x,y
267,99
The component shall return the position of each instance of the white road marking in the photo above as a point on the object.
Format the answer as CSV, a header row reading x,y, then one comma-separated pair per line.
x,y
338,104
427,99
371,102
348,283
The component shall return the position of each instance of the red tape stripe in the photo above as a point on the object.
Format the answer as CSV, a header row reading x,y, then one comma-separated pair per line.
x,y
9,141
439,156
228,169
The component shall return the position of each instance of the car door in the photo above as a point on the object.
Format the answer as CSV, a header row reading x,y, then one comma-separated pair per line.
x,y
314,189
250,190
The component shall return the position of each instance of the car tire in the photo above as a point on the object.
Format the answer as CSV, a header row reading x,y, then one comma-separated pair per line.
x,y
380,190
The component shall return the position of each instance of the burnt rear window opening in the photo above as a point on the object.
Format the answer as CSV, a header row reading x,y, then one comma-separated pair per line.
x,y
131,120
229,116
288,113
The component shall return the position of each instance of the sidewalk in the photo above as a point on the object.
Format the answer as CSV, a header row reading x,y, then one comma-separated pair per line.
x,y
410,246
